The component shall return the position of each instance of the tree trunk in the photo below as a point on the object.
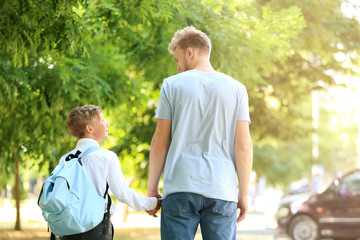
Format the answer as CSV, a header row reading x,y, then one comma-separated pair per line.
x,y
17,192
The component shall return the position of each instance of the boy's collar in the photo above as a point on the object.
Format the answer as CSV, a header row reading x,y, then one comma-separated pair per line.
x,y
86,141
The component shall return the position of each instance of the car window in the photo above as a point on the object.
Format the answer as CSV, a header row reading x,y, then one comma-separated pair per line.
x,y
350,186
329,192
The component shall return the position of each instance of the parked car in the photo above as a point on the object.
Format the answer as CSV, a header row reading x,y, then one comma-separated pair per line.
x,y
334,213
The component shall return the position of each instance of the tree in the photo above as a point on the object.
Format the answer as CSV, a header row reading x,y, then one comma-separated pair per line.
x,y
44,74
328,34
29,98
239,33
46,28
338,131
63,54
126,49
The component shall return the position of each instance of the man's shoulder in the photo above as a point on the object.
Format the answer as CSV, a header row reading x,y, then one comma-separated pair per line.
x,y
176,77
230,78
180,77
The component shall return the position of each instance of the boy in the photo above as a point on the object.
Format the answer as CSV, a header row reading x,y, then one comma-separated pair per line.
x,y
88,125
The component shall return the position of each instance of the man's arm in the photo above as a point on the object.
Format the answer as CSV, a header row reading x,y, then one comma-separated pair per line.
x,y
159,147
243,161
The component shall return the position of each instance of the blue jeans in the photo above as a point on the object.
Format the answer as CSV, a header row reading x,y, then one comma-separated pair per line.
x,y
182,212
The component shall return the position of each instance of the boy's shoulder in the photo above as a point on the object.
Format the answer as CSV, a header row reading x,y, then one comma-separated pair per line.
x,y
105,153
101,153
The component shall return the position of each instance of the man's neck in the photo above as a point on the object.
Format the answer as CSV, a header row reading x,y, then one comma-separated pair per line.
x,y
204,65
204,69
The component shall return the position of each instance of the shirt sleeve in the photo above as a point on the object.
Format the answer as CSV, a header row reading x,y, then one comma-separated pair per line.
x,y
163,110
243,107
123,193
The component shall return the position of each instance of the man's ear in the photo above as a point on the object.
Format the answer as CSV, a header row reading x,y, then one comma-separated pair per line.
x,y
88,129
189,52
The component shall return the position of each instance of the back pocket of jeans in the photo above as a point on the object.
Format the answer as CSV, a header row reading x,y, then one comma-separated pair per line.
x,y
225,208
174,204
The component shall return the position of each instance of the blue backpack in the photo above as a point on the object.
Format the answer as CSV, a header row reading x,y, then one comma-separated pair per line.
x,y
68,198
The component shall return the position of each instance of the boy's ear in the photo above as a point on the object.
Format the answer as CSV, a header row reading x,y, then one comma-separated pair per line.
x,y
88,129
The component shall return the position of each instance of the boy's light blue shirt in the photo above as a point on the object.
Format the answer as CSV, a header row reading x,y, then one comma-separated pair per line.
x,y
204,108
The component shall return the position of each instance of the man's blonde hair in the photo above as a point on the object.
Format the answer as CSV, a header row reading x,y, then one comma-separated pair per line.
x,y
79,117
190,37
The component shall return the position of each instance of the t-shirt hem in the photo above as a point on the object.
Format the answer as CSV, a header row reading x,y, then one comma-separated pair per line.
x,y
219,197
161,117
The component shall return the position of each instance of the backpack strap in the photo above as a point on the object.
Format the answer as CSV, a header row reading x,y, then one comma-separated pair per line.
x,y
109,198
80,154
71,156
89,150
106,191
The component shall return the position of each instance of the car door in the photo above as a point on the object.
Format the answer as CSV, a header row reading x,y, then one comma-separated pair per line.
x,y
349,191
339,209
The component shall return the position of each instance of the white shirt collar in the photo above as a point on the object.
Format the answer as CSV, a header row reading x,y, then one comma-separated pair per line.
x,y
87,141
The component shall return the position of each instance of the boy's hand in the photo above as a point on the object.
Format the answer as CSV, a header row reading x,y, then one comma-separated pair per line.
x,y
154,211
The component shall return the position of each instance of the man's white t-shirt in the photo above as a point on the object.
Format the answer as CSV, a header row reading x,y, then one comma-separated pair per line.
x,y
204,108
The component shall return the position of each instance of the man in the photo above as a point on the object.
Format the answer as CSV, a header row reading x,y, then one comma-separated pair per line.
x,y
202,141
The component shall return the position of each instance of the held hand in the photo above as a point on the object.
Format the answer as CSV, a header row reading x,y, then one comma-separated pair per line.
x,y
157,208
243,206
158,205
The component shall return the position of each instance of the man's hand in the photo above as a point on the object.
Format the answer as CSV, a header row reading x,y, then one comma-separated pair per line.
x,y
159,147
243,206
158,205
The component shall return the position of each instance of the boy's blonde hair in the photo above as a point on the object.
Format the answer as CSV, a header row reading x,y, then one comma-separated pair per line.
x,y
190,37
79,117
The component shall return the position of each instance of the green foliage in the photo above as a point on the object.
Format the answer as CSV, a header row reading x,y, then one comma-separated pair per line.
x,y
56,55
338,132
328,33
23,193
4,179
283,162
47,27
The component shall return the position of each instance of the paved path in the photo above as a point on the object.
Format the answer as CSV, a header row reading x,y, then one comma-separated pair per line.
x,y
254,227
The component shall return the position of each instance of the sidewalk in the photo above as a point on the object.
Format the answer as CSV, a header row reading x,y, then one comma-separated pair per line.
x,y
254,227
30,212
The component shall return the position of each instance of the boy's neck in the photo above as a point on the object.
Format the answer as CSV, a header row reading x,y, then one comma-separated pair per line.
x,y
91,136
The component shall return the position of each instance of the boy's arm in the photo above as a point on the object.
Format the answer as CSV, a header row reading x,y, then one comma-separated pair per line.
x,y
159,147
243,162
123,192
